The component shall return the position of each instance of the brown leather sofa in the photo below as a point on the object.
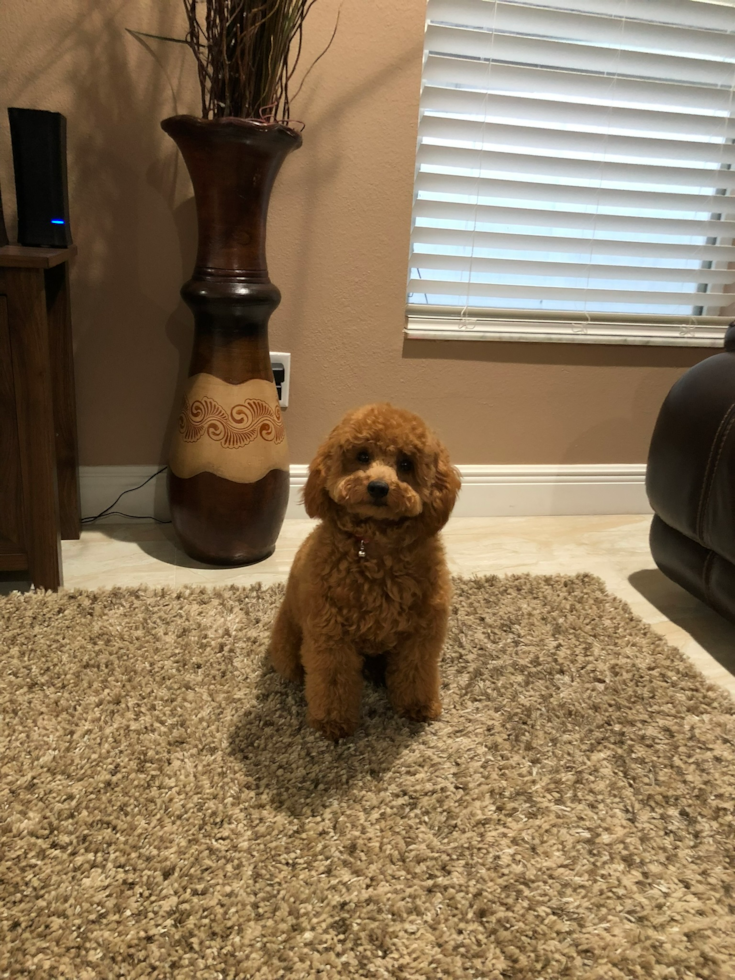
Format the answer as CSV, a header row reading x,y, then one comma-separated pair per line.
x,y
690,481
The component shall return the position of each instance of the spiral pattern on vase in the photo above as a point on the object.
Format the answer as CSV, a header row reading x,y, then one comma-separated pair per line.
x,y
235,431
244,422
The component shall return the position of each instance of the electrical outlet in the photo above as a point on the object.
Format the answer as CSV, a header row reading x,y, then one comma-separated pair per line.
x,y
281,365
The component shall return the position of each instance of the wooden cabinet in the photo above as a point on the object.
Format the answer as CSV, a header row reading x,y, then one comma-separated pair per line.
x,y
39,481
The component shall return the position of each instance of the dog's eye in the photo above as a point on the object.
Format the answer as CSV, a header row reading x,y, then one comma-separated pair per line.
x,y
363,456
405,465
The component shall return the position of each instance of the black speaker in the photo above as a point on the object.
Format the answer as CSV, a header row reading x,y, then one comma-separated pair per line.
x,y
3,232
39,158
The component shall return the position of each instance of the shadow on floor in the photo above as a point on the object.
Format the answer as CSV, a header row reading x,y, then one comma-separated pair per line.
x,y
713,632
14,582
158,541
174,554
297,770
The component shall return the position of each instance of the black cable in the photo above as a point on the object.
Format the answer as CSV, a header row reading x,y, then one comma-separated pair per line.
x,y
119,513
109,512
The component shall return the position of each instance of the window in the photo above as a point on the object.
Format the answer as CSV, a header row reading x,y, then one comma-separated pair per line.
x,y
574,175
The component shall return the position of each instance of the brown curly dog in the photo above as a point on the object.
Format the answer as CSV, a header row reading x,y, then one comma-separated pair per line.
x,y
372,577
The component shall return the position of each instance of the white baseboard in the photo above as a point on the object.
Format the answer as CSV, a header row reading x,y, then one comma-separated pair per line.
x,y
537,490
487,491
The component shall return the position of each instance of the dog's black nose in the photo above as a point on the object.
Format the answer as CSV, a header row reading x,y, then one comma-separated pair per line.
x,y
378,489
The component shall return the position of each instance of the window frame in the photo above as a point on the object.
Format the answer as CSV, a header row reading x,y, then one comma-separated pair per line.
x,y
427,322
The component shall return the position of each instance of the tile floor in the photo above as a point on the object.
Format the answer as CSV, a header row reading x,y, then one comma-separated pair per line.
x,y
613,547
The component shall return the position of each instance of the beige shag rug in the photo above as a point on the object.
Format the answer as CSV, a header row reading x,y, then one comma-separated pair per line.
x,y
165,811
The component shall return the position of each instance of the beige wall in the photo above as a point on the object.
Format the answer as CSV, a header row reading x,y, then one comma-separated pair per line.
x,y
338,247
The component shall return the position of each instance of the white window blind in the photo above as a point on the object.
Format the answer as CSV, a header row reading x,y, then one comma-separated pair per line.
x,y
574,175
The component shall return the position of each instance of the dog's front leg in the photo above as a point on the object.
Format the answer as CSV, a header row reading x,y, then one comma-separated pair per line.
x,y
412,673
333,685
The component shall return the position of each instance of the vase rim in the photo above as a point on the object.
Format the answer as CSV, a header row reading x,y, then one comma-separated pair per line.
x,y
231,122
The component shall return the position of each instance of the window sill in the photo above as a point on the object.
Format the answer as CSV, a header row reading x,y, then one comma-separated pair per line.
x,y
567,332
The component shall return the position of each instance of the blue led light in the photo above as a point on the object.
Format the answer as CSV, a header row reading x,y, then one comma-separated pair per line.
x,y
58,221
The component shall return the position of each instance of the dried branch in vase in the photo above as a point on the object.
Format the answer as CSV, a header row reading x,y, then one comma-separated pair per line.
x,y
247,52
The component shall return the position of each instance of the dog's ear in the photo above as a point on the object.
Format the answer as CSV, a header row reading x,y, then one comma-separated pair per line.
x,y
316,498
443,493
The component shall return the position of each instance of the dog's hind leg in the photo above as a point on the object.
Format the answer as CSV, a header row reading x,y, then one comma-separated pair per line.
x,y
285,646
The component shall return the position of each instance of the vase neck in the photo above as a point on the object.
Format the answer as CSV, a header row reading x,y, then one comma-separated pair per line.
x,y
233,164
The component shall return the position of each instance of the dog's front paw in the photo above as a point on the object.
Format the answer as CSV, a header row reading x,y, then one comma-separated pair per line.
x,y
293,672
333,728
420,711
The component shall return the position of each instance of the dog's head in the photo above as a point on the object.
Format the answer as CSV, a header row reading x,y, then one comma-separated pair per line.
x,y
382,464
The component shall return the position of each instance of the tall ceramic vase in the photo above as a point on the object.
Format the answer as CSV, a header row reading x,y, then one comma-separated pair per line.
x,y
228,464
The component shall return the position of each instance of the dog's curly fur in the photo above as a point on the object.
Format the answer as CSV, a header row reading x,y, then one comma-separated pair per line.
x,y
371,579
